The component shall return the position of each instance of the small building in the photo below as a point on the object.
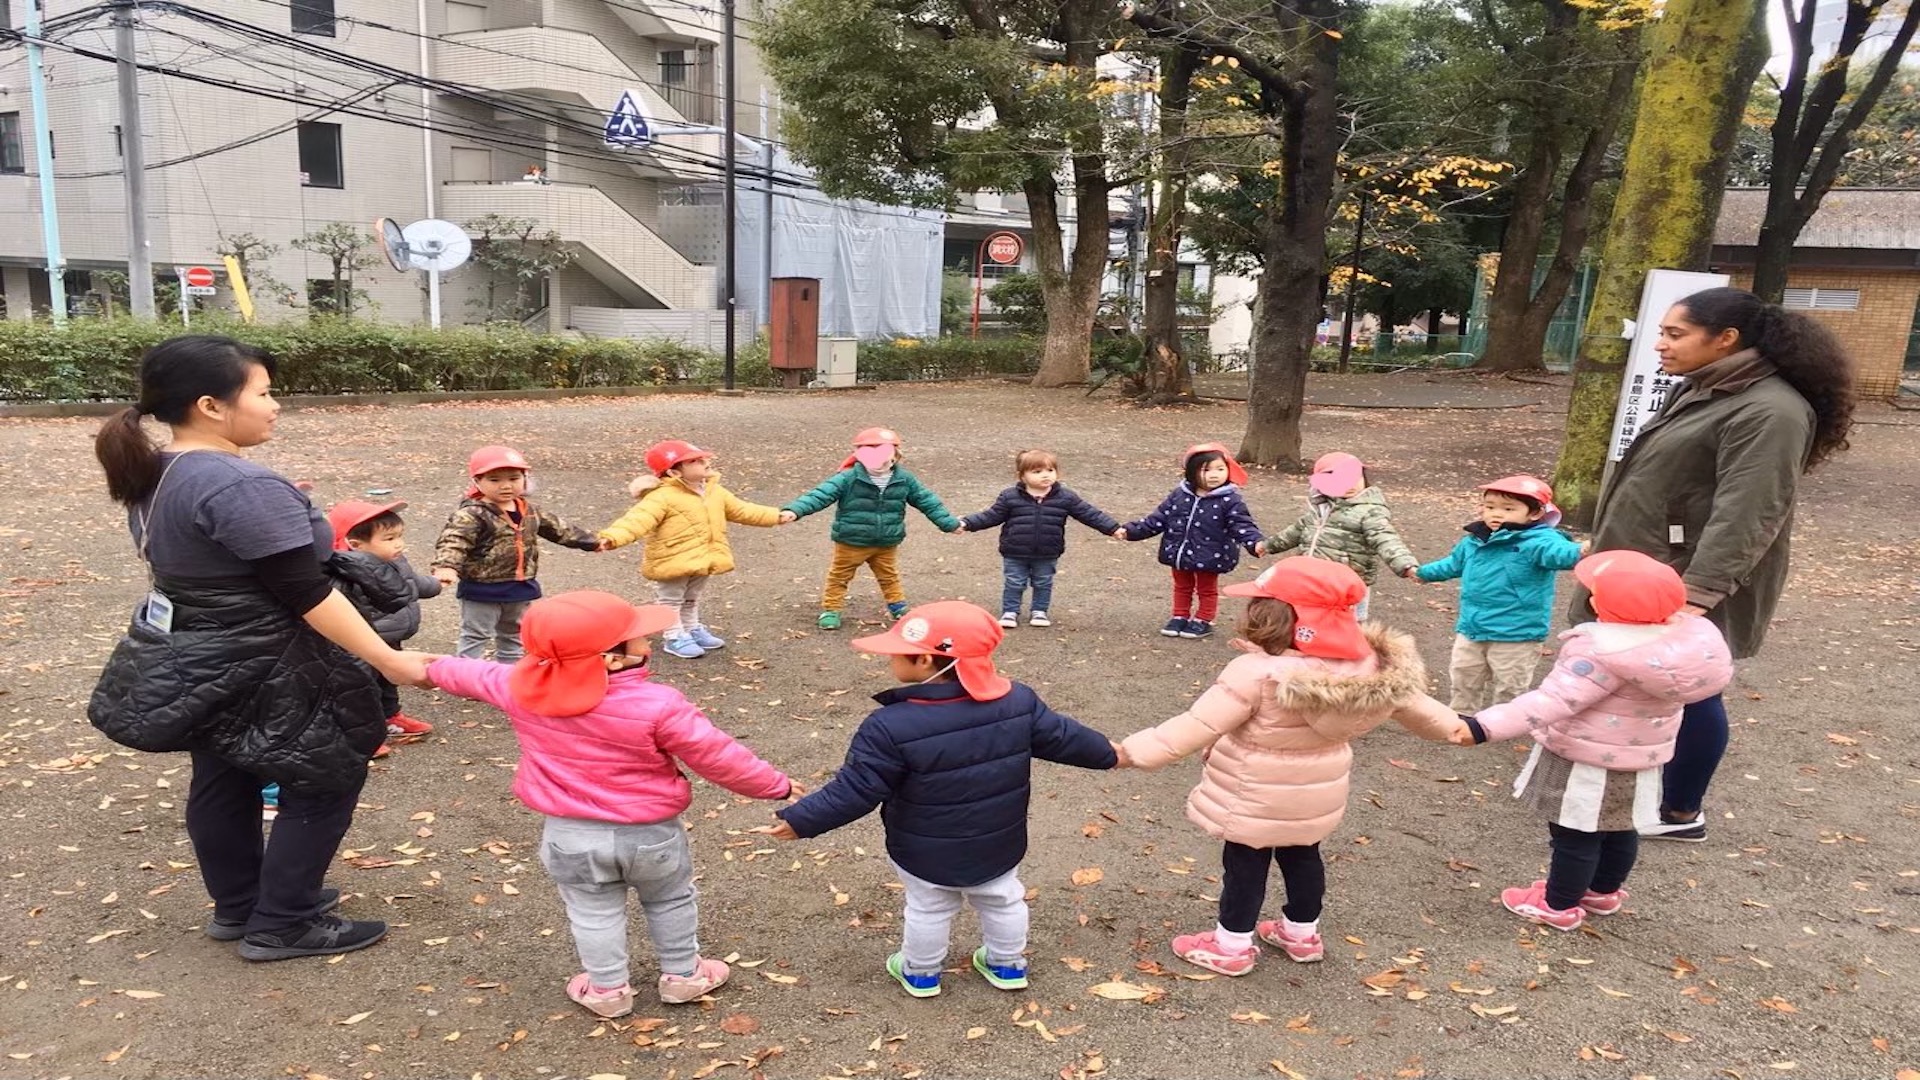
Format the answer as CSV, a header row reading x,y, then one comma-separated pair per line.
x,y
1855,267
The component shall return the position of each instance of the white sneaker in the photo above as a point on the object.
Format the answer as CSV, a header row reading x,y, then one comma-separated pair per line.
x,y
1009,619
1039,618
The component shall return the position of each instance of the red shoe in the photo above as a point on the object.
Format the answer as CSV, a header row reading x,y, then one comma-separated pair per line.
x,y
1206,951
1530,904
1304,948
383,751
1596,903
404,728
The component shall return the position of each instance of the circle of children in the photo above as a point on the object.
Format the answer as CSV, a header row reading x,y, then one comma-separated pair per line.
x,y
947,755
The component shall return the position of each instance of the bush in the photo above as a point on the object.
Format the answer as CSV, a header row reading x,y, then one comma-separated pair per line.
x,y
947,358
100,358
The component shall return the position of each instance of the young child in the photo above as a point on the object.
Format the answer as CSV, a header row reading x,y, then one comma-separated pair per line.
x,y
683,517
370,561
949,758
601,747
1347,521
490,549
1199,524
1275,727
1032,519
1506,564
870,495
1603,723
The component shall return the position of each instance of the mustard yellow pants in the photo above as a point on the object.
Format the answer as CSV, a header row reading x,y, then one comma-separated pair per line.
x,y
847,559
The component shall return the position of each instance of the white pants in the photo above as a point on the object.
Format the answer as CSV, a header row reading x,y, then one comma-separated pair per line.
x,y
928,925
683,595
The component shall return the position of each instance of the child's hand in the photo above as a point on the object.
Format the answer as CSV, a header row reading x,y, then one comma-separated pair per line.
x,y
446,576
1121,533
1586,548
779,831
1125,760
960,528
788,517
1257,550
1461,736
604,545
1411,573
795,789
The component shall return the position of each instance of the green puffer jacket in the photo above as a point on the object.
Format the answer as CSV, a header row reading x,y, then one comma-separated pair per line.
x,y
867,516
1357,530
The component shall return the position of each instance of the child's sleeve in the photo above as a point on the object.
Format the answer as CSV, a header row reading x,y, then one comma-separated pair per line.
x,y
1427,718
925,501
1576,683
1557,550
426,585
1224,706
1092,516
993,516
640,520
1288,538
1153,524
1062,739
1385,540
457,538
822,496
1241,526
478,680
866,779
1448,568
557,529
718,757
741,512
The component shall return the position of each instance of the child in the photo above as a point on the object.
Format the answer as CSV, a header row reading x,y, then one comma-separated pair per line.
x,y
1346,521
490,549
369,559
1275,727
683,518
949,758
870,495
601,747
1505,564
1603,723
1201,520
1032,518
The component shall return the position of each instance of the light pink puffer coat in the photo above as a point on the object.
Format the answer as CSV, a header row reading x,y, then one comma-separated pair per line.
x,y
1614,696
1279,727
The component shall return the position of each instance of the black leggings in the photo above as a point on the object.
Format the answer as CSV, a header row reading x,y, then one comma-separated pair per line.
x,y
1588,861
272,884
1243,883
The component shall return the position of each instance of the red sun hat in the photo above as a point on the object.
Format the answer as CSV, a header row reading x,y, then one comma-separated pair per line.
x,y
1531,487
873,436
1335,474
1235,474
662,456
562,673
349,513
1323,595
962,632
488,458
1631,586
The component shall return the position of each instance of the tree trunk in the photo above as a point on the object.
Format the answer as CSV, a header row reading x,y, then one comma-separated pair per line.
x,y
1702,58
1169,376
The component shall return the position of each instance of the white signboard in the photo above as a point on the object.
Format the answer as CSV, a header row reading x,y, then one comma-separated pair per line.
x,y
1644,387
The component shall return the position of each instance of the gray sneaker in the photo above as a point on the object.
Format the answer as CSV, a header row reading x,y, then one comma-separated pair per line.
x,y
230,930
324,936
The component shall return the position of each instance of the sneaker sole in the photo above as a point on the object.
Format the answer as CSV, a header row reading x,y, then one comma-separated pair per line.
x,y
1204,966
677,1000
1169,633
998,982
899,975
231,932
1677,837
263,953
1538,921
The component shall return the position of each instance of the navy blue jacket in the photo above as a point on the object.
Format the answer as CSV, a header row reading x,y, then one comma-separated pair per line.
x,y
952,777
1036,529
1200,532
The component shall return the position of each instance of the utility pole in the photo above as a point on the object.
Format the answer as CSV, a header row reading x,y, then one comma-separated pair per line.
x,y
43,164
133,163
729,201
1353,282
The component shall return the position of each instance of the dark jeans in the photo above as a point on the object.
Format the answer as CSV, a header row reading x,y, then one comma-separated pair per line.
x,y
1697,751
1243,883
389,697
1583,861
272,884
1021,573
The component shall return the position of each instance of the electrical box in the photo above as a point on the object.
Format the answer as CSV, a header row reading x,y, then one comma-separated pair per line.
x,y
794,329
839,362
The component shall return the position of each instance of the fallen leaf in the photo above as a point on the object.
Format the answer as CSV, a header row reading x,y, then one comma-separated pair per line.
x,y
1281,1067
1088,875
143,995
1384,980
1613,993
1077,963
1779,1004
105,934
975,1032
1125,991
784,980
608,1076
354,1019
112,1056
739,1024
1496,1010
1251,1017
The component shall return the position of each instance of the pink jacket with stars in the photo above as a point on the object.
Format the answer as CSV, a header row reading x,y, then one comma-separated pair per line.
x,y
1614,696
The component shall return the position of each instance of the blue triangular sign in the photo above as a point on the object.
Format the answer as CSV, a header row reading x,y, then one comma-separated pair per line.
x,y
628,124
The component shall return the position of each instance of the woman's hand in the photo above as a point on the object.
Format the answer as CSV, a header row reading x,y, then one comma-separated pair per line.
x,y
1461,735
405,668
1693,609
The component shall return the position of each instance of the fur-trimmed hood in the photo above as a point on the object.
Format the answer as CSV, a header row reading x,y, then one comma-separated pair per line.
x,y
1397,675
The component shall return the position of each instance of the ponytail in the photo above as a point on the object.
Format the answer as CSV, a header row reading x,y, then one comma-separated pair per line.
x,y
174,376
1802,349
127,456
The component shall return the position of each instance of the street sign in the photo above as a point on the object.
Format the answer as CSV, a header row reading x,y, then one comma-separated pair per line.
x,y
1643,386
1004,248
197,281
627,126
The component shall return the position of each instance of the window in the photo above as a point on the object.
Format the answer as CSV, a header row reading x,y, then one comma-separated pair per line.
x,y
320,161
686,82
13,156
313,17
1822,299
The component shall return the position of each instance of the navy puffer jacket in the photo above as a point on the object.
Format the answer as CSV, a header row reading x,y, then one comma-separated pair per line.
x,y
388,594
1036,529
1201,532
952,778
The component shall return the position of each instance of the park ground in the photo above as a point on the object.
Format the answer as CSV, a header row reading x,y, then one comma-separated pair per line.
x,y
1788,945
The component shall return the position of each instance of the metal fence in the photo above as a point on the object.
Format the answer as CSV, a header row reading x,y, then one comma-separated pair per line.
x,y
1563,334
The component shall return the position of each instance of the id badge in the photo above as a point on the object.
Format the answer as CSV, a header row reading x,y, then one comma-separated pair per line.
x,y
158,612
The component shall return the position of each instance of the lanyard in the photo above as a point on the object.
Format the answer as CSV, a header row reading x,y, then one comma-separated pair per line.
x,y
145,518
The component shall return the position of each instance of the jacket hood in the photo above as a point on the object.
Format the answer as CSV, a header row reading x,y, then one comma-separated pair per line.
x,y
1371,494
1683,659
1398,675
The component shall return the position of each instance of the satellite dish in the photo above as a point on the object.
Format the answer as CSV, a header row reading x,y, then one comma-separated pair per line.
x,y
430,244
393,242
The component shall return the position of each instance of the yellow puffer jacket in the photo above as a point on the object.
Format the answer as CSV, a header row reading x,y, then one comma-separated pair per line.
x,y
686,530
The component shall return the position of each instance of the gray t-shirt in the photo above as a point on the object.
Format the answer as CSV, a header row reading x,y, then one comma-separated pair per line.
x,y
214,513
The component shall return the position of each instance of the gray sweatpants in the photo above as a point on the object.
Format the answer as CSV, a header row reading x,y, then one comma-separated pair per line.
x,y
928,925
595,862
483,624
683,595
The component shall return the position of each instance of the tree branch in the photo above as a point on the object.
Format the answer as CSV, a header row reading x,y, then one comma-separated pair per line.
x,y
1271,79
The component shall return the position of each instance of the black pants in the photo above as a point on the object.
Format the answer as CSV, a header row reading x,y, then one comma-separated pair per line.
x,y
270,884
389,697
1243,883
1583,861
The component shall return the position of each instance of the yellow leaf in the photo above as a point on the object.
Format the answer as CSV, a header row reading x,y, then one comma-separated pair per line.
x,y
1251,1017
784,980
112,1056
1088,875
975,1032
1613,993
1335,34
436,941
1076,963
1124,991
1281,1067
1497,1010
608,1076
354,1019
142,995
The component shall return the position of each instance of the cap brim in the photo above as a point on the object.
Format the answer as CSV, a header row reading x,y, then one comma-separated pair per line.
x,y
650,619
891,644
1244,588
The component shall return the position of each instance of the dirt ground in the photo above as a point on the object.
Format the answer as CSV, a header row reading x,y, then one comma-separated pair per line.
x,y
1777,949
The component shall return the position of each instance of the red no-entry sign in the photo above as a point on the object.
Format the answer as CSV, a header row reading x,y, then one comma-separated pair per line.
x,y
197,277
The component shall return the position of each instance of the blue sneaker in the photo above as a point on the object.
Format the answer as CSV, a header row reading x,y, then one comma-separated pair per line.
x,y
1196,628
683,647
1175,626
1002,976
270,795
920,986
706,638
897,609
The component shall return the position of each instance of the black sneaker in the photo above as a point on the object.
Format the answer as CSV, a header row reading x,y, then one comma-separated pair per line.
x,y
1173,628
1685,832
1196,628
234,930
324,936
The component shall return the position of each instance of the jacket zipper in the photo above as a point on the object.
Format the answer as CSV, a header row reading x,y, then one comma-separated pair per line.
x,y
1188,530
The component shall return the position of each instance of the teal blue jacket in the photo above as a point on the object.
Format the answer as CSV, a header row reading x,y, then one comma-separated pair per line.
x,y
865,515
1506,579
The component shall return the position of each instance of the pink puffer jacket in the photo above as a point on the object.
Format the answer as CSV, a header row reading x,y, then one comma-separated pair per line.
x,y
1614,696
1279,727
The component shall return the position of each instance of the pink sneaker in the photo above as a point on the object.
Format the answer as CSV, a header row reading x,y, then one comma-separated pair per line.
x,y
708,976
1202,950
1530,904
1596,903
606,1004
1301,949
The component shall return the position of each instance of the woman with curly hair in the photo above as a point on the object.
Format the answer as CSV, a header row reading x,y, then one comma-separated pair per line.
x,y
1708,487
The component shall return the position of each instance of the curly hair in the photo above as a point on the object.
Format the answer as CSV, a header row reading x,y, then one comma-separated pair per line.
x,y
1268,623
1805,353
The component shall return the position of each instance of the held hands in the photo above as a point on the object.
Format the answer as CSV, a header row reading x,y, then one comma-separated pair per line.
x,y
788,517
795,789
779,831
1121,533
407,668
446,576
1693,609
1125,760
1462,734
605,544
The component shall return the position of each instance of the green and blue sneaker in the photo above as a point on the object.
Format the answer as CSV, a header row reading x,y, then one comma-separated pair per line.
x,y
1002,976
920,986
829,620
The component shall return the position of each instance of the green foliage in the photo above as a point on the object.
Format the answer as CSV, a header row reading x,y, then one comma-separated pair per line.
x,y
1017,302
956,302
1885,150
350,252
517,255
947,358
